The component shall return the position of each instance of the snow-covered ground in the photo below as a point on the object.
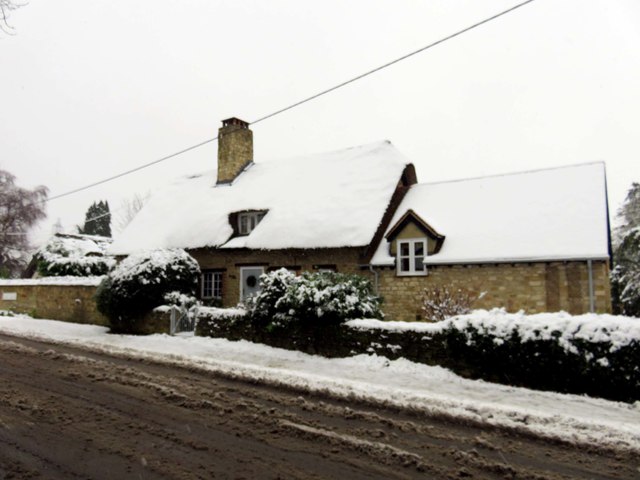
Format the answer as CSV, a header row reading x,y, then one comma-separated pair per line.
x,y
397,382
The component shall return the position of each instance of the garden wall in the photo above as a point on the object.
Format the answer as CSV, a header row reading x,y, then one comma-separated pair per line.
x,y
70,299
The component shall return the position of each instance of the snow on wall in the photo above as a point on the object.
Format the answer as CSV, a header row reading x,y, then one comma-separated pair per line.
x,y
553,214
328,200
591,327
53,281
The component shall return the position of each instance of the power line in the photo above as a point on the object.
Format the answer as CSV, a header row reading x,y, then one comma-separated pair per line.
x,y
393,62
86,221
100,182
301,102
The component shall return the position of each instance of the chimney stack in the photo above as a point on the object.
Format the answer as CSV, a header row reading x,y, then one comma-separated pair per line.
x,y
235,149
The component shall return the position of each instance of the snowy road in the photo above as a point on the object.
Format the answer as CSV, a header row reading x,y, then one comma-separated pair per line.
x,y
68,413
398,383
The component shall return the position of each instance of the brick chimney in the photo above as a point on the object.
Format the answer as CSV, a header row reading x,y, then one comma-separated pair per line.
x,y
235,149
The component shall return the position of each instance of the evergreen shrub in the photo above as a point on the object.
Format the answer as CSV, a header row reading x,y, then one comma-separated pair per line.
x,y
142,282
313,299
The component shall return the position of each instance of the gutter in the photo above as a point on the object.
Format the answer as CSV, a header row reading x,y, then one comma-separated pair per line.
x,y
592,303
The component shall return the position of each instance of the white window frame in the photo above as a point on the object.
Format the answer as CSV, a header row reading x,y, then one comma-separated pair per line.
x,y
216,284
412,257
250,220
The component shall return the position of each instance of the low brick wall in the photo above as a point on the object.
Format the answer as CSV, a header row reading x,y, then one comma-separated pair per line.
x,y
54,299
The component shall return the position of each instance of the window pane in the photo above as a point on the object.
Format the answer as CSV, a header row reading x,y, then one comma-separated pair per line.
x,y
404,264
244,224
404,249
207,285
418,248
217,285
418,265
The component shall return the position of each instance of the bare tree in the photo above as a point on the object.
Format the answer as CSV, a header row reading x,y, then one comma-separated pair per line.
x,y
20,209
6,7
128,209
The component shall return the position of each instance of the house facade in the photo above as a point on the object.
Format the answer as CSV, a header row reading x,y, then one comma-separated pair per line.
x,y
536,241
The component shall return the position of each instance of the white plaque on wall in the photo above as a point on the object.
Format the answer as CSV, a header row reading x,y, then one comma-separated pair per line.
x,y
9,296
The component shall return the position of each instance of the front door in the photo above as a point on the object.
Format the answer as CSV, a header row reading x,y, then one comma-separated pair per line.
x,y
249,281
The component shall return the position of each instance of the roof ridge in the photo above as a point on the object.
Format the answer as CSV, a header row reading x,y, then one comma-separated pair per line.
x,y
366,146
509,174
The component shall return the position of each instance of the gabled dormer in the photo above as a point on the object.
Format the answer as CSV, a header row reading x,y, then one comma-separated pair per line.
x,y
411,239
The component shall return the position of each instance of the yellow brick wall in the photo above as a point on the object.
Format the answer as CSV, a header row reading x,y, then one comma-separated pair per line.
x,y
532,287
346,260
71,303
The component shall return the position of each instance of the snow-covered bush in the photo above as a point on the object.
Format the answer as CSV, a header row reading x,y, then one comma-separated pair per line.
x,y
322,298
594,354
180,299
74,255
439,303
141,282
625,277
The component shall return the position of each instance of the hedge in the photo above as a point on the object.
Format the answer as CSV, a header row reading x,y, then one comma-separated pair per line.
x,y
605,363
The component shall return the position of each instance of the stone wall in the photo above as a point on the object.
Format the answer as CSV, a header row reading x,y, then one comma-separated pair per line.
x,y
70,303
532,287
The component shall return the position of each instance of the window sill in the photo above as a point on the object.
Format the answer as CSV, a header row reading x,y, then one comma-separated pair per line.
x,y
412,274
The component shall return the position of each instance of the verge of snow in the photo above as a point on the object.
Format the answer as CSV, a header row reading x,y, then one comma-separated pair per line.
x,y
399,382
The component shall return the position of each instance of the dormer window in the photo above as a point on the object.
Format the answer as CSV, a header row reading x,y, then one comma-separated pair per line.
x,y
247,221
411,240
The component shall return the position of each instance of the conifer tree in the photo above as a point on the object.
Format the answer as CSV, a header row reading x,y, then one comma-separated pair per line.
x,y
97,220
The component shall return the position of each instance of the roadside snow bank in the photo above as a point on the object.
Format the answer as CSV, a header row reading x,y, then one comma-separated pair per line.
x,y
396,382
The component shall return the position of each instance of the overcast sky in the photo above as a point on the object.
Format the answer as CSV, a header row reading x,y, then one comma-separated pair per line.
x,y
90,89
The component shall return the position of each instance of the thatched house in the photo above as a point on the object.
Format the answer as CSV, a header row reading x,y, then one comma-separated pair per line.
x,y
536,241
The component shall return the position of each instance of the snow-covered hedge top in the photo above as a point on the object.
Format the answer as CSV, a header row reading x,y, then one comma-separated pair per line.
x,y
75,246
210,313
150,266
335,199
226,313
557,213
619,331
64,281
81,255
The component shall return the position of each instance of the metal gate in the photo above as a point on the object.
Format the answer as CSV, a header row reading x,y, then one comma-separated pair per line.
x,y
183,320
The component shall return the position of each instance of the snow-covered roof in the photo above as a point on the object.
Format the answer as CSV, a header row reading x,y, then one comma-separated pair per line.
x,y
552,214
76,245
327,200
